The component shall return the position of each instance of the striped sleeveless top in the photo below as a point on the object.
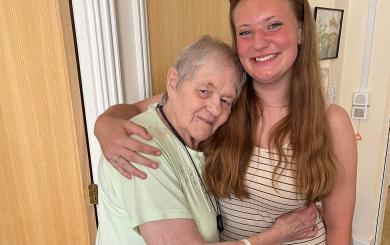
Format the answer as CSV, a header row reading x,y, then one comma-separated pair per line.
x,y
247,217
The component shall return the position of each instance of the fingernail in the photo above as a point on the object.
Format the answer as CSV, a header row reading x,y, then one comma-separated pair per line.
x,y
154,165
142,176
157,153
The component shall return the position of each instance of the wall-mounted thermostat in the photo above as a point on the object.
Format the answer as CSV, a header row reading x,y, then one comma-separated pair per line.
x,y
360,105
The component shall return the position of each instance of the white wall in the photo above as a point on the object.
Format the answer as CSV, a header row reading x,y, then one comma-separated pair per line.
x,y
374,130
346,72
129,43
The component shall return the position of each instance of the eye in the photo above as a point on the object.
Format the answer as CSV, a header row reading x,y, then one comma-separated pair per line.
x,y
226,101
204,93
274,26
244,33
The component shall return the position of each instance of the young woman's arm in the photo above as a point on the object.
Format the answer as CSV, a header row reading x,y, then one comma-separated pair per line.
x,y
339,207
112,129
296,225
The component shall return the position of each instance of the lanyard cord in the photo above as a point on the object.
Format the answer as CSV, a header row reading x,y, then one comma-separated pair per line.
x,y
217,208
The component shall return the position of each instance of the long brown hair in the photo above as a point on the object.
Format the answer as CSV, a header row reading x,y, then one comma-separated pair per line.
x,y
228,151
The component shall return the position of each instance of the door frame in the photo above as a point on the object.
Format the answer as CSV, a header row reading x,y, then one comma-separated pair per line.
x,y
100,70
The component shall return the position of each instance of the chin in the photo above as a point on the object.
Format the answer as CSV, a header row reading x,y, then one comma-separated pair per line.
x,y
202,137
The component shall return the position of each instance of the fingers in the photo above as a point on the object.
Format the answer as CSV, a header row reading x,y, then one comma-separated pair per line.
x,y
134,157
128,157
115,164
119,148
126,149
136,146
312,232
127,169
311,215
133,128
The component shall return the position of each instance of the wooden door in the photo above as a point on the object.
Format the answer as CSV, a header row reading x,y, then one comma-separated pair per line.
x,y
173,24
44,171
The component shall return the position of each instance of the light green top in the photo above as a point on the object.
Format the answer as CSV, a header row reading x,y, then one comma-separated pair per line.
x,y
172,191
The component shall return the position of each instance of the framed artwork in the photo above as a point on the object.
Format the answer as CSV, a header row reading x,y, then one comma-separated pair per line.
x,y
329,22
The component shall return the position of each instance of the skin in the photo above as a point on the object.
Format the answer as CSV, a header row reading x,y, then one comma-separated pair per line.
x,y
209,106
269,31
267,40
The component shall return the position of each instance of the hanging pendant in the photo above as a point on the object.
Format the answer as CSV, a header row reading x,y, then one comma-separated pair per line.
x,y
219,223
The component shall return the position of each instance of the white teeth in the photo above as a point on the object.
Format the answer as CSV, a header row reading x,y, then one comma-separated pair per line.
x,y
265,58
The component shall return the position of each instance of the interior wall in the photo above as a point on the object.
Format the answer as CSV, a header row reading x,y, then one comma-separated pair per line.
x,y
374,130
345,73
127,46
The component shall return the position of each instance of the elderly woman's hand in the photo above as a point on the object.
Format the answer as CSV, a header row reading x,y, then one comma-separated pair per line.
x,y
298,224
118,148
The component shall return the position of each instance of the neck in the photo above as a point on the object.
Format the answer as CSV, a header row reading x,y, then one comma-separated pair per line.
x,y
167,114
273,94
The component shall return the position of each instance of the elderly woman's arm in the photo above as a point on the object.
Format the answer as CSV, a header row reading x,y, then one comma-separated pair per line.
x,y
292,226
112,129
340,205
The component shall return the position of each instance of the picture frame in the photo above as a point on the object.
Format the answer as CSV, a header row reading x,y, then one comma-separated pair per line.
x,y
329,24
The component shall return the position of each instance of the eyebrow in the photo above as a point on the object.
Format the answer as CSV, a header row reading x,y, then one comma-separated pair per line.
x,y
211,85
261,21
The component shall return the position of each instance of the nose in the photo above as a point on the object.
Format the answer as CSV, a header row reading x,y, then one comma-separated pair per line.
x,y
260,40
214,107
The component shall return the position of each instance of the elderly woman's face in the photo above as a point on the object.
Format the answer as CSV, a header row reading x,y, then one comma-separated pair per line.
x,y
203,103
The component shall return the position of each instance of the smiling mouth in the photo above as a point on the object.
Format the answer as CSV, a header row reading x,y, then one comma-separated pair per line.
x,y
265,58
209,122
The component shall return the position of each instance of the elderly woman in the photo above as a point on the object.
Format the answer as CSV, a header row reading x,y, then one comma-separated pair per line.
x,y
172,206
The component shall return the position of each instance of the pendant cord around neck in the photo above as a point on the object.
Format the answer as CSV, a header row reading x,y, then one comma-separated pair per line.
x,y
217,208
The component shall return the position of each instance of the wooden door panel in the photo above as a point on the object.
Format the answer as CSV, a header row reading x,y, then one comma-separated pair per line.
x,y
44,170
173,24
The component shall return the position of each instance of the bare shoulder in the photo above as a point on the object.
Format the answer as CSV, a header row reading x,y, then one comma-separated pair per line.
x,y
338,118
342,133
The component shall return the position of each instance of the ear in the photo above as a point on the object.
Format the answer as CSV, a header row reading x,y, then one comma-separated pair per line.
x,y
172,78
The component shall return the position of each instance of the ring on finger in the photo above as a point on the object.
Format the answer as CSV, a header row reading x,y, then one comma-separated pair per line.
x,y
116,159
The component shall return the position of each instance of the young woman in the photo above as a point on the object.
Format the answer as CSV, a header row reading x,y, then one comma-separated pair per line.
x,y
282,147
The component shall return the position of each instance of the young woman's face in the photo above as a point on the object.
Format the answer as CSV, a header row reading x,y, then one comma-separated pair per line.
x,y
203,103
268,34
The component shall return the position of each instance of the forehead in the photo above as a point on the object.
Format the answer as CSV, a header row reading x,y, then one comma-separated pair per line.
x,y
218,74
262,9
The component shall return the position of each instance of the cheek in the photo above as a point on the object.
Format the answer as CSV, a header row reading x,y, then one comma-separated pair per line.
x,y
294,50
242,47
290,41
223,118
